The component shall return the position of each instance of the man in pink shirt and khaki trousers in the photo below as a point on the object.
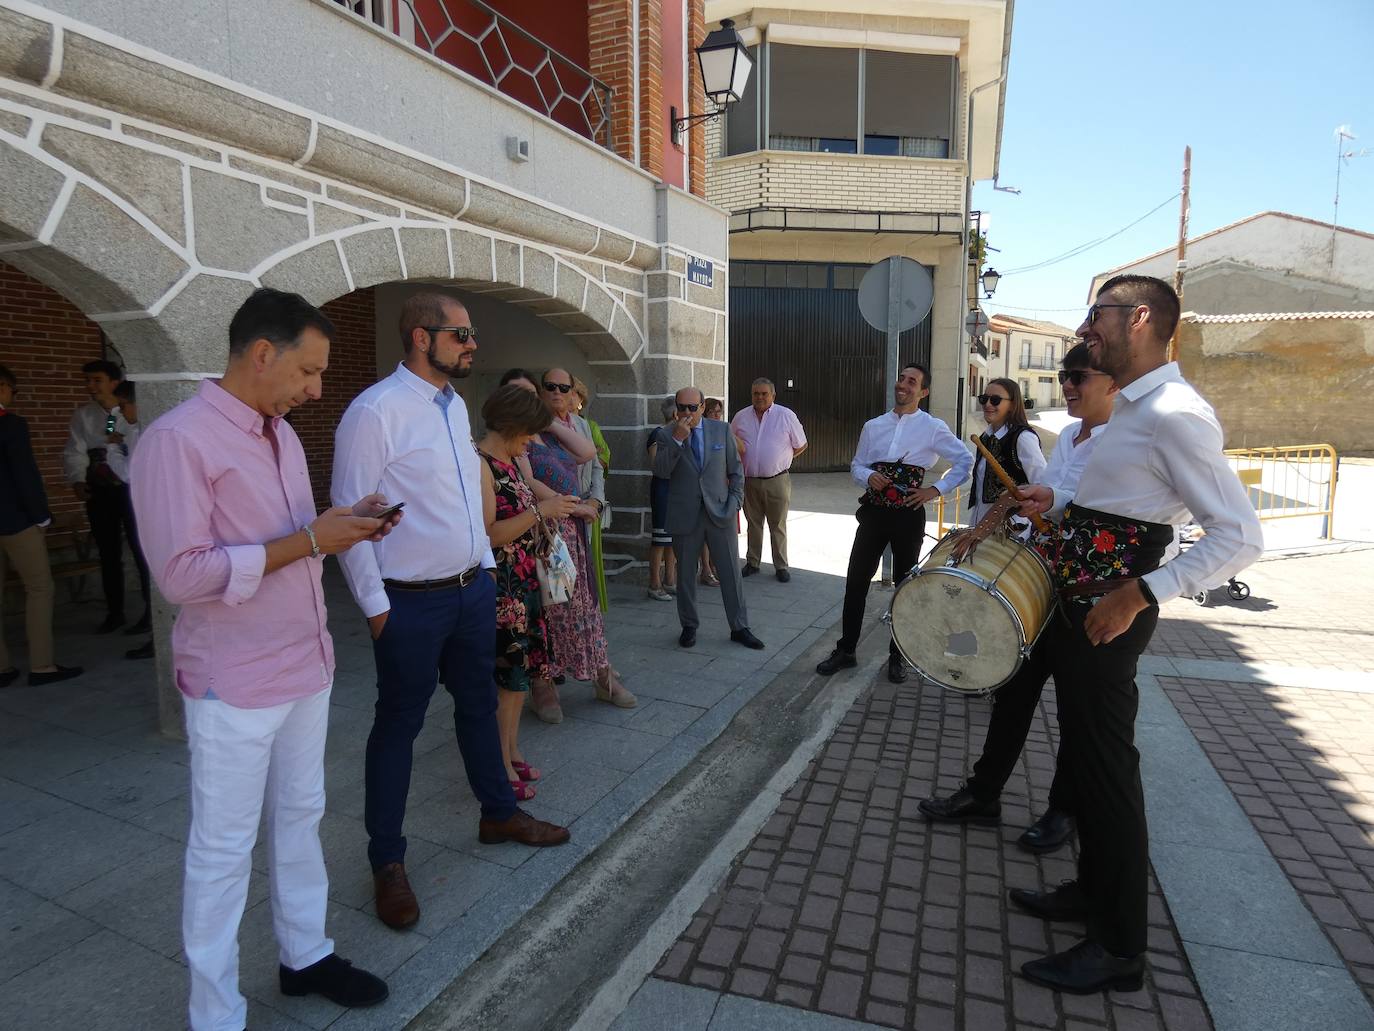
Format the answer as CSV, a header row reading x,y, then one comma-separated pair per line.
x,y
772,436
225,513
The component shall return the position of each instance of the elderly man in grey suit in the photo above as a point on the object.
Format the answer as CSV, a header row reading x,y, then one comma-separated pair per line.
x,y
705,491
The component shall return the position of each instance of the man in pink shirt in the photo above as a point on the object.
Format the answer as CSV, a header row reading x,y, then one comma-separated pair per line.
x,y
772,436
224,508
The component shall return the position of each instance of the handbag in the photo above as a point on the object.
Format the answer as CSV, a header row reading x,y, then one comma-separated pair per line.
x,y
553,564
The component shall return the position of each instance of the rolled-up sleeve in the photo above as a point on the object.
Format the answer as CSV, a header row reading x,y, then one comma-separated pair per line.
x,y
1187,448
951,449
360,456
173,500
860,468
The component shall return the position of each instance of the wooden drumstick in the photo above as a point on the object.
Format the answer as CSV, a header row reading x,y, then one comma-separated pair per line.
x,y
1036,520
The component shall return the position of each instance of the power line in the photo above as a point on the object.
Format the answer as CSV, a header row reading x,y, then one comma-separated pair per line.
x,y
1082,248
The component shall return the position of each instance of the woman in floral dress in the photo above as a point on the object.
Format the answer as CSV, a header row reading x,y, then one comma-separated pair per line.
x,y
576,631
514,417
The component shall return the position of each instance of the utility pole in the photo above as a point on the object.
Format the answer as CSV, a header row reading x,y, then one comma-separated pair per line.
x,y
1182,264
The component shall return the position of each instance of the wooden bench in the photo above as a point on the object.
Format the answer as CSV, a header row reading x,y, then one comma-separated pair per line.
x,y
70,553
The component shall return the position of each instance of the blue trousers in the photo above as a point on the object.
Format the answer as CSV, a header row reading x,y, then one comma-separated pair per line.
x,y
453,630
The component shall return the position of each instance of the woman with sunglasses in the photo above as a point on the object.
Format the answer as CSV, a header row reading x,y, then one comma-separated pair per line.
x,y
576,631
1012,442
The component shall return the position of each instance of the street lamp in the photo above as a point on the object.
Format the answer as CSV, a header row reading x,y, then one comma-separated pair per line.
x,y
990,280
725,67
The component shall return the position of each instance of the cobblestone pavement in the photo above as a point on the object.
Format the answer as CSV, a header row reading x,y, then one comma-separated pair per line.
x,y
850,903
1301,765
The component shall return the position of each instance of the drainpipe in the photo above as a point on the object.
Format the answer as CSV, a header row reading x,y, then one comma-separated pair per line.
x,y
965,235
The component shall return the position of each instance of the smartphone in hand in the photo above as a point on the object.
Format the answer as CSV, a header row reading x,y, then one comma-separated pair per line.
x,y
387,513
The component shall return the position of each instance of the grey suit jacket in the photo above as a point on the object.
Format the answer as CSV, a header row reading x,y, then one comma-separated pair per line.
x,y
717,486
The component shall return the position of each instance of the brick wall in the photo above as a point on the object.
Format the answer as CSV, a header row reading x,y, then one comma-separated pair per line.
x,y
653,130
352,368
611,59
696,97
45,340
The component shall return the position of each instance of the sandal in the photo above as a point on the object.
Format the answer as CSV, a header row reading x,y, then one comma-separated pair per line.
x,y
523,792
709,580
526,771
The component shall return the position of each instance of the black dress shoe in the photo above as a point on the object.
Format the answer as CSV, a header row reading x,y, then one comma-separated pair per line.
x,y
748,570
896,669
144,624
1085,969
1066,902
962,807
143,651
1047,833
783,576
688,637
8,676
57,675
834,662
337,980
110,624
746,637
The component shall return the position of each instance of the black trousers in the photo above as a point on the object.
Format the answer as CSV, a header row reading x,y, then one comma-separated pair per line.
x,y
1100,767
110,510
901,529
1013,711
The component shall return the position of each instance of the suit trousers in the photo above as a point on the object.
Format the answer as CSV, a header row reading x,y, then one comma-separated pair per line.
x,y
1013,711
27,552
767,499
111,514
239,757
901,529
725,550
453,629
1100,767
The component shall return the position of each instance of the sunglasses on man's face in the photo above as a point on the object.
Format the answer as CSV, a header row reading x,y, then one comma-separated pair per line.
x,y
1095,312
463,333
991,399
1076,376
562,388
688,408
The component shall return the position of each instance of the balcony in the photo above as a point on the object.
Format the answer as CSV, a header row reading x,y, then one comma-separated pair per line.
x,y
1038,363
479,40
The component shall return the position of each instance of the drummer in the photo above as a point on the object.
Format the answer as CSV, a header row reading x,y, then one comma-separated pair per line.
x,y
1089,395
1159,459
894,452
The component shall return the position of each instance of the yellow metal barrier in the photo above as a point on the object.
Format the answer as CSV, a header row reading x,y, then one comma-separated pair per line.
x,y
1293,482
1283,483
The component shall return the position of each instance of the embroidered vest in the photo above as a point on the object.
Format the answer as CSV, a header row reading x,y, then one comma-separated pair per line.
x,y
1005,452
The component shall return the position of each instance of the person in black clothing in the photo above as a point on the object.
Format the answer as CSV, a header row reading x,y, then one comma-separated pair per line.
x,y
23,516
96,450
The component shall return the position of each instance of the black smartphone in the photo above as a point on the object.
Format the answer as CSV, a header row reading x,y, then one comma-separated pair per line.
x,y
387,513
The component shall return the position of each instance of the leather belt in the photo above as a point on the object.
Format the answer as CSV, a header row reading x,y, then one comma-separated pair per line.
x,y
773,477
463,579
1095,588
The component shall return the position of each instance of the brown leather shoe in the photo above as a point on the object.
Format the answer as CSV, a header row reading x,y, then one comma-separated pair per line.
x,y
524,828
397,906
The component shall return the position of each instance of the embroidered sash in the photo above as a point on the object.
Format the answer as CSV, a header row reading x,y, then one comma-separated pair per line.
x,y
1094,547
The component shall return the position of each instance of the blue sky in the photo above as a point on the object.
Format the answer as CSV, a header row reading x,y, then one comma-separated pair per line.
x,y
1102,97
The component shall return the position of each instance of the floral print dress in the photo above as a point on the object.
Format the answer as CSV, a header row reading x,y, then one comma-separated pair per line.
x,y
576,632
522,639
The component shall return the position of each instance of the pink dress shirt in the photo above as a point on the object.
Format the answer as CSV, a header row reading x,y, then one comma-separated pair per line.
x,y
770,441
209,493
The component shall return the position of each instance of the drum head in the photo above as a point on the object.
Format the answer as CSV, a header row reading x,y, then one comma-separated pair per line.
x,y
955,632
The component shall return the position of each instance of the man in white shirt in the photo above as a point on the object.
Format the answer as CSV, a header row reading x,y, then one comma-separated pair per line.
x,y
1089,395
894,452
97,432
773,437
428,589
1159,460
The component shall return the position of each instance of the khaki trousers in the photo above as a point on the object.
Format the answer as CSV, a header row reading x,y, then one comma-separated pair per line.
x,y
767,499
27,552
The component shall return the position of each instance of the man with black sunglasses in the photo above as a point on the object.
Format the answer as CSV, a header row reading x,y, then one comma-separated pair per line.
x,y
1158,464
700,460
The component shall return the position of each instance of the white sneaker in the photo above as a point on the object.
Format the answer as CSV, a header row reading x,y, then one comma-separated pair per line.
x,y
659,594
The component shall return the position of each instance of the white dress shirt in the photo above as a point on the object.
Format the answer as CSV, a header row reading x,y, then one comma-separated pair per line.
x,y
915,439
119,456
1032,461
1065,467
87,431
1160,460
398,439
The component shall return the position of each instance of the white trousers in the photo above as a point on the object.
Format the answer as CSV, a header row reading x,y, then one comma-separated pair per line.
x,y
239,757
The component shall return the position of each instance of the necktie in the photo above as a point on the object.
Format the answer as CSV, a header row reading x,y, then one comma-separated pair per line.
x,y
697,447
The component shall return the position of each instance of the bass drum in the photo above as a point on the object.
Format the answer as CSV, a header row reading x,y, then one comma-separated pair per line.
x,y
969,626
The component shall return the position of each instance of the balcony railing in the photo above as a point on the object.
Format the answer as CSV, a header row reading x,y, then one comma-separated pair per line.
x,y
470,35
978,348
1038,363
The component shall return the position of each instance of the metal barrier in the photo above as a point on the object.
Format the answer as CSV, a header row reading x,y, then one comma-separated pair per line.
x,y
1294,482
954,502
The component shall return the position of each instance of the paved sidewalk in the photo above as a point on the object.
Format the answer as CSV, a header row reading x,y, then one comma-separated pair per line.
x,y
94,811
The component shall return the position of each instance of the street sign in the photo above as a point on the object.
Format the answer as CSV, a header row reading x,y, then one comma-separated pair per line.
x,y
700,271
976,323
914,293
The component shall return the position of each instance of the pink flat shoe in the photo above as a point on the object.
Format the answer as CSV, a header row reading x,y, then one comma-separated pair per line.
x,y
526,771
523,792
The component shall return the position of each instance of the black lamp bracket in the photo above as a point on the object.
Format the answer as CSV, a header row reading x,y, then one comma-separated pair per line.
x,y
679,124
